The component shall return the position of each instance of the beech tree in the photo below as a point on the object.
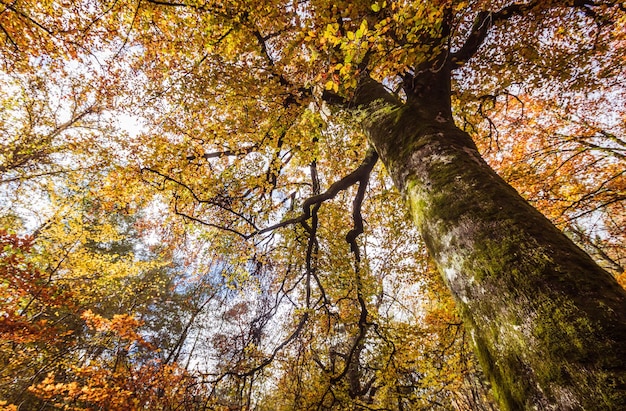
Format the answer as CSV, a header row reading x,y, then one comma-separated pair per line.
x,y
262,120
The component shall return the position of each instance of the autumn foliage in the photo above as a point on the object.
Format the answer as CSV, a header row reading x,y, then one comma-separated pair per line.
x,y
193,217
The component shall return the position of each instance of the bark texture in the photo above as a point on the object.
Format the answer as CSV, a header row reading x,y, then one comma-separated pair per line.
x,y
548,324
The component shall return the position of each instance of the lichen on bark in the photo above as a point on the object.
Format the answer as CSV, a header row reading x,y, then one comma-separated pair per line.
x,y
548,324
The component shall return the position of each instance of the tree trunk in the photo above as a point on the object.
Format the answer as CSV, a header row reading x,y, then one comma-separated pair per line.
x,y
548,324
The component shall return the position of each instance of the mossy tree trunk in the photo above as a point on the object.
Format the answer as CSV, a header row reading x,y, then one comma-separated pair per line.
x,y
548,324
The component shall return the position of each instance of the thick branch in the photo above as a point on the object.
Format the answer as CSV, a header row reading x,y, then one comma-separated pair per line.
x,y
311,204
354,177
168,3
370,161
312,245
348,181
483,22
369,91
352,359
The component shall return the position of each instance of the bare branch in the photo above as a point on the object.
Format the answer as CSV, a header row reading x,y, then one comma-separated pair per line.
x,y
369,162
275,352
225,153
348,181
214,201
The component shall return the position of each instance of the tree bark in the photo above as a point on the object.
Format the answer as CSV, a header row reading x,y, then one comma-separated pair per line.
x,y
547,323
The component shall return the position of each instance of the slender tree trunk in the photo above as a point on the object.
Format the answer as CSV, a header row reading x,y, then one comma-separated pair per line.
x,y
548,324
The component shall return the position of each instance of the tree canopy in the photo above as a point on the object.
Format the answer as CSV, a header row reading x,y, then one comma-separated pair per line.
x,y
194,212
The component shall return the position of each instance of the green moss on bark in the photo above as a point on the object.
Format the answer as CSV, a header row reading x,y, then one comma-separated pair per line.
x,y
548,324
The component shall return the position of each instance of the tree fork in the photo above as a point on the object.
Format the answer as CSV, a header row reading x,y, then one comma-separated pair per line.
x,y
547,323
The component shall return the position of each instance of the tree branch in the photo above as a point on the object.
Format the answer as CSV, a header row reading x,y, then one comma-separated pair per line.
x,y
9,38
26,16
275,352
482,24
368,162
348,181
214,201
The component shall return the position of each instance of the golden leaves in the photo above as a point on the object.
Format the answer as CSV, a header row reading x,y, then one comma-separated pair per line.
x,y
123,325
570,168
154,385
5,406
235,139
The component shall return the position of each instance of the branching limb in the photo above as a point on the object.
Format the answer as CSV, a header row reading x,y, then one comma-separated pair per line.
x,y
351,368
312,245
346,182
369,162
267,361
168,3
484,21
214,201
310,206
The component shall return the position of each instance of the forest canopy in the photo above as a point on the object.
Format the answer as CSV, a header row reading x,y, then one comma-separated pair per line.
x,y
268,205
